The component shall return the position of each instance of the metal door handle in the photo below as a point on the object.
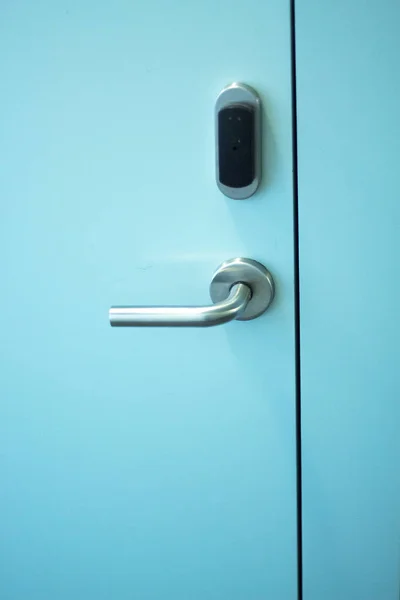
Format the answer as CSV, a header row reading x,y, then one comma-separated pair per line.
x,y
241,289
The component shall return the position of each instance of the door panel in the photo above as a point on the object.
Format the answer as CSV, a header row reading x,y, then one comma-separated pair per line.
x,y
141,463
348,94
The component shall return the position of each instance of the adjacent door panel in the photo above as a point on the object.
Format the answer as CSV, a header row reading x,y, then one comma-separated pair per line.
x,y
348,92
149,463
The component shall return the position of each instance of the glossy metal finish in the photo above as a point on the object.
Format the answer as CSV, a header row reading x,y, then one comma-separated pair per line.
x,y
240,93
241,289
183,316
255,275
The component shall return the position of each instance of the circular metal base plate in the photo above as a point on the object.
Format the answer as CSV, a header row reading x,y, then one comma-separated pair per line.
x,y
253,274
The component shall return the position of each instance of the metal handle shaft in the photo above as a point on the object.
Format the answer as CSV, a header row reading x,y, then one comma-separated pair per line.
x,y
241,288
183,316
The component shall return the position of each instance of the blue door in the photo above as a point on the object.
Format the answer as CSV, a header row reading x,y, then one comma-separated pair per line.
x,y
150,463
348,98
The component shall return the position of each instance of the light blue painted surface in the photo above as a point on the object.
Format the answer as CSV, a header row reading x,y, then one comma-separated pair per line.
x,y
348,84
140,464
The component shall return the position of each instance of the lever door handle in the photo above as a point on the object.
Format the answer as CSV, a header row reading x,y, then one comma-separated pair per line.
x,y
183,316
240,289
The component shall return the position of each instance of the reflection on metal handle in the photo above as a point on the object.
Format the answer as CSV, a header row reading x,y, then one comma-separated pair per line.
x,y
183,316
241,289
